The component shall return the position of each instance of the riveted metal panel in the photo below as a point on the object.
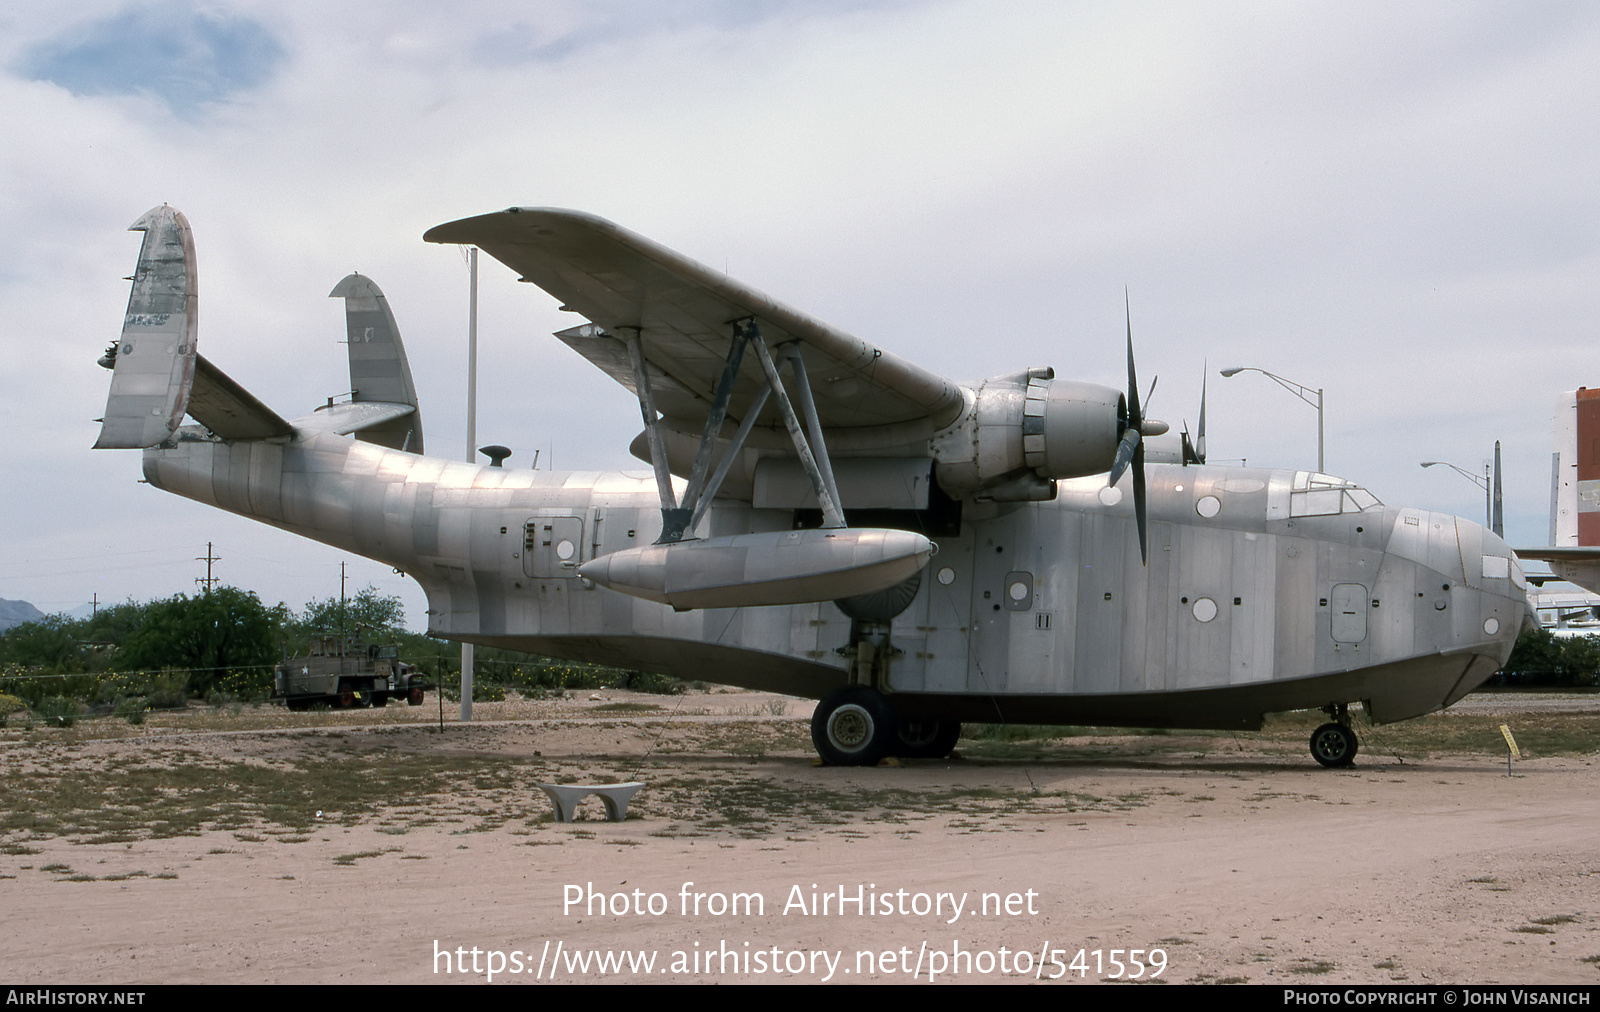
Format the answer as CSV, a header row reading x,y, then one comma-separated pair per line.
x,y
1102,561
1252,604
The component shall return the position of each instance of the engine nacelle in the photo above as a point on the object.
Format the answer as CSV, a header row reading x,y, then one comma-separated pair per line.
x,y
1022,432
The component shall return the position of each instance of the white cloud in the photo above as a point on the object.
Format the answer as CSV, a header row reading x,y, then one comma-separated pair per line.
x,y
1393,203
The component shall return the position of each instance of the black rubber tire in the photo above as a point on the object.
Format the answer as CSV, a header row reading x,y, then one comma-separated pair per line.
x,y
347,697
855,726
1334,745
926,739
414,697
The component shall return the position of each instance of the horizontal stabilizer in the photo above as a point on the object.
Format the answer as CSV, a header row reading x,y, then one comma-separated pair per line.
x,y
228,409
379,372
749,570
153,362
354,416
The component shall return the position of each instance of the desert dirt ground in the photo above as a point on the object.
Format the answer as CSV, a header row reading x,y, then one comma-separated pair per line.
x,y
259,846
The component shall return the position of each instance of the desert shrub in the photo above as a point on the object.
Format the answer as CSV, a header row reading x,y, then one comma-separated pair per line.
x,y
58,711
131,709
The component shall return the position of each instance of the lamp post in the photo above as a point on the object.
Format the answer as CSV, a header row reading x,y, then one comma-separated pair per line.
x,y
1485,481
1299,390
467,664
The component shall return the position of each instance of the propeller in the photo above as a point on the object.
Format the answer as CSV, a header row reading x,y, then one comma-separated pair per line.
x,y
1195,452
1130,451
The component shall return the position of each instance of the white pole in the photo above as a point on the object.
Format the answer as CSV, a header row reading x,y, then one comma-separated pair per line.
x,y
472,441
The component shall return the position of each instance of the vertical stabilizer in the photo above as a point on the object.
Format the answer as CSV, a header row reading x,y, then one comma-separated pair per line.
x,y
1498,512
1564,479
378,368
1555,495
1577,480
153,362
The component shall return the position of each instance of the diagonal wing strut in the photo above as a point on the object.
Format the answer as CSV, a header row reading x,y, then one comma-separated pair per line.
x,y
679,519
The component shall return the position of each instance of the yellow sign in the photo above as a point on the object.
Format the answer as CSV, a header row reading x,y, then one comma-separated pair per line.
x,y
1511,743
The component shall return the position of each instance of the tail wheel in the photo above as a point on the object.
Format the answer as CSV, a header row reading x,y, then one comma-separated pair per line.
x,y
854,727
1334,745
926,739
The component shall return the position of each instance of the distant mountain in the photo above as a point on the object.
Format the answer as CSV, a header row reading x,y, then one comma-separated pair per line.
x,y
16,612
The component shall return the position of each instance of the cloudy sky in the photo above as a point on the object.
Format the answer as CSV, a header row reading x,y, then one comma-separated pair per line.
x,y
1397,203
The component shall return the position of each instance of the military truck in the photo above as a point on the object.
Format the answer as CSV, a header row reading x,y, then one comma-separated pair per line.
x,y
343,674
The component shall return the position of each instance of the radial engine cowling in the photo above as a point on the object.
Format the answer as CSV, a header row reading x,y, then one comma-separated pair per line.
x,y
1027,430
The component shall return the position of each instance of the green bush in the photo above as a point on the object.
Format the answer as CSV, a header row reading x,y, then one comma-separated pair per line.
x,y
1543,658
131,709
58,711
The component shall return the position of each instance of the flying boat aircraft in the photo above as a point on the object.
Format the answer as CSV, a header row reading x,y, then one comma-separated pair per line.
x,y
826,519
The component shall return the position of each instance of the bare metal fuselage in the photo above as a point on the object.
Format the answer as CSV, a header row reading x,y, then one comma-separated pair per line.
x,y
1256,597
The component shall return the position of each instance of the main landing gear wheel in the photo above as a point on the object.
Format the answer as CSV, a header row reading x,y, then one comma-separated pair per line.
x,y
414,698
926,739
1334,745
854,727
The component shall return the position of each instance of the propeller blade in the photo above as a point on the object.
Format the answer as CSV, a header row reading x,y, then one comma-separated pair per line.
x,y
1139,503
1127,451
1200,433
1135,415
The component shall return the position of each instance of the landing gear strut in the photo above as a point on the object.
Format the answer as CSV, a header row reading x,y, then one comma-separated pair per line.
x,y
1334,744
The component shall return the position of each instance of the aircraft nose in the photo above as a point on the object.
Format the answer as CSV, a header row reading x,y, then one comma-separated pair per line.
x,y
1506,608
1485,591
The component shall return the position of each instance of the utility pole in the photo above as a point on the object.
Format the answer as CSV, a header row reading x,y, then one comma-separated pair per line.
x,y
342,610
210,581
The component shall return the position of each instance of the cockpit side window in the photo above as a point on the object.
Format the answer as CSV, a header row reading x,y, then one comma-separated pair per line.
x,y
1318,495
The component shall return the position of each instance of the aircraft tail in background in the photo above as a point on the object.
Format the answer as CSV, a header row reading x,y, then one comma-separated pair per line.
x,y
1574,549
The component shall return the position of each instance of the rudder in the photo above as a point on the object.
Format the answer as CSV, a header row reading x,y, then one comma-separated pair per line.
x,y
153,362
379,371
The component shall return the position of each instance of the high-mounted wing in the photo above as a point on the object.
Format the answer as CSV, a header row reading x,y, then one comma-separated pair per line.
x,y
685,314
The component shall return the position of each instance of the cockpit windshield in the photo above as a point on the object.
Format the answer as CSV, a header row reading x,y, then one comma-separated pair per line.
x,y
1316,495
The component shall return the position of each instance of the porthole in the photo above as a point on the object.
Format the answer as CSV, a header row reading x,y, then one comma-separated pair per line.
x,y
946,576
1205,609
565,550
1208,506
1110,495
1491,626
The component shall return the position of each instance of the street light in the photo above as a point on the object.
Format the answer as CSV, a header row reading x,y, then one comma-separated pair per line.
x,y
1299,390
1485,482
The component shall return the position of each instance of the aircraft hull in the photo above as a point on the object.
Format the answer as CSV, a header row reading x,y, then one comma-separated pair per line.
x,y
1252,601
